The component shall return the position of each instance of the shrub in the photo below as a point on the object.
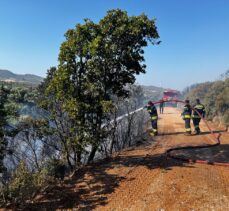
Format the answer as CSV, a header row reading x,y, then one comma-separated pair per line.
x,y
23,186
56,168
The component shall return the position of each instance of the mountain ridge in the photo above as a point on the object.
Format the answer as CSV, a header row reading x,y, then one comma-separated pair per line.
x,y
9,76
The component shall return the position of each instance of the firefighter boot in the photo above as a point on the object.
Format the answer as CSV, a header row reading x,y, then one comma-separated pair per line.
x,y
197,130
152,134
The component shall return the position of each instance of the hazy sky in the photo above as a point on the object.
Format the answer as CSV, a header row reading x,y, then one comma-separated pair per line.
x,y
194,35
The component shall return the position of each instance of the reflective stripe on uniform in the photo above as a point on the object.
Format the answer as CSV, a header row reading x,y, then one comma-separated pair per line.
x,y
195,116
188,129
199,106
154,130
187,116
154,117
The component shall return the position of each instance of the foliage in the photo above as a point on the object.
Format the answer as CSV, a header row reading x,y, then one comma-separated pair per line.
x,y
24,184
225,75
3,121
56,168
61,128
215,96
79,102
96,62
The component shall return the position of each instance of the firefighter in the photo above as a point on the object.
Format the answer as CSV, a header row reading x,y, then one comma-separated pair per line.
x,y
195,117
154,116
187,112
161,106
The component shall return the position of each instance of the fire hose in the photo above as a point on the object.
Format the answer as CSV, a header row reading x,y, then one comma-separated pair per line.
x,y
216,139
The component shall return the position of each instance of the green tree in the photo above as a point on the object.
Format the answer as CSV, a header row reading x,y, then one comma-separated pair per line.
x,y
61,129
3,121
95,62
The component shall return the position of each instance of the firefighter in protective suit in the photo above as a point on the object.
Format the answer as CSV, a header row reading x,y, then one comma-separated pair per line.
x,y
154,116
195,117
186,114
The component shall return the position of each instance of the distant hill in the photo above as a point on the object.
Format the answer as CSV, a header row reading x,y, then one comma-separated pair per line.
x,y
152,92
153,88
8,76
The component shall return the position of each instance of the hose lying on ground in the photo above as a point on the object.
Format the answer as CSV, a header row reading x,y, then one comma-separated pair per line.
x,y
215,138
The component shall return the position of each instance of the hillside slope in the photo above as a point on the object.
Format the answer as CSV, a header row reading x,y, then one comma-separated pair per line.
x,y
6,75
143,178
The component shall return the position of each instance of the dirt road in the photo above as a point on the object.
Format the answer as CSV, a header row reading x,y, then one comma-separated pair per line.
x,y
144,178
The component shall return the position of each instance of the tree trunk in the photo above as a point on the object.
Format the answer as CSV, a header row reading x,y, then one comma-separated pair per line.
x,y
113,133
92,154
68,161
79,158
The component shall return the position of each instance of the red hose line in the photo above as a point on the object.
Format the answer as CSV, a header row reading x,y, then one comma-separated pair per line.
x,y
215,138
